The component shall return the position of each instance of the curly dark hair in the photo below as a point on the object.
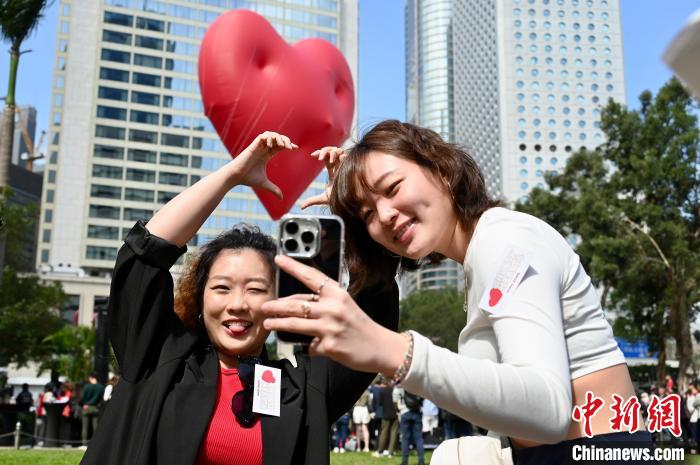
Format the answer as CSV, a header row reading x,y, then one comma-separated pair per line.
x,y
368,262
190,287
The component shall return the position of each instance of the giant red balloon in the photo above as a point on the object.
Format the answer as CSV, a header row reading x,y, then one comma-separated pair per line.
x,y
253,81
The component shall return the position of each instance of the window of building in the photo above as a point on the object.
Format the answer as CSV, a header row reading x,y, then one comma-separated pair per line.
x,y
139,195
143,156
115,55
107,171
133,174
106,151
175,140
48,215
105,192
150,24
145,98
104,211
111,112
49,195
149,42
94,252
165,197
145,79
148,60
116,37
103,232
135,214
112,93
173,179
147,137
173,159
143,117
118,18
111,74
109,132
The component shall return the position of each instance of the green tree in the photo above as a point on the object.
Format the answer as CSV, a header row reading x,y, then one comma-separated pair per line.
x,y
437,314
71,352
633,205
27,315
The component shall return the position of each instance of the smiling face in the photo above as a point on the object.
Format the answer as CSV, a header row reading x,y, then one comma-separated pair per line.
x,y
239,282
411,212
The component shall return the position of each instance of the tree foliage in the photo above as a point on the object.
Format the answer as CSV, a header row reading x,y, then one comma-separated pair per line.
x,y
437,314
633,206
70,352
27,315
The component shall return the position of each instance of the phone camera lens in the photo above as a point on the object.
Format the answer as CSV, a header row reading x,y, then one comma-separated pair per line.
x,y
307,237
291,227
291,245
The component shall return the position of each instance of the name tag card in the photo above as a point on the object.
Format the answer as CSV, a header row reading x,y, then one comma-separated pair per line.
x,y
267,390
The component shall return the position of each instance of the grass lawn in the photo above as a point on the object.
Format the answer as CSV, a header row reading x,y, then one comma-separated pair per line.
x,y
71,457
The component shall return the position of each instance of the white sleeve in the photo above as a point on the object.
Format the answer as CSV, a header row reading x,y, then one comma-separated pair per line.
x,y
528,394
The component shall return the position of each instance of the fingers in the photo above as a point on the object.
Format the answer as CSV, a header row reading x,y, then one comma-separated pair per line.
x,y
272,187
310,277
320,199
329,155
274,140
292,325
286,308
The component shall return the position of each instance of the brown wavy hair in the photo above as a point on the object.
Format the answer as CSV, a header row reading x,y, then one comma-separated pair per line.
x,y
370,263
189,292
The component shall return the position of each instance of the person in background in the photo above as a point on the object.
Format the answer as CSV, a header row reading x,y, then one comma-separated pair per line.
x,y
360,418
409,407
390,424
90,401
342,428
45,397
376,410
430,417
25,398
692,406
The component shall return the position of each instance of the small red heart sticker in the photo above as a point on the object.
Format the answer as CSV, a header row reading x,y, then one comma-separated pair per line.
x,y
495,295
268,377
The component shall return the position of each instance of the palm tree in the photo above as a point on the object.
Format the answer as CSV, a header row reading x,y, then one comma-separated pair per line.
x,y
18,18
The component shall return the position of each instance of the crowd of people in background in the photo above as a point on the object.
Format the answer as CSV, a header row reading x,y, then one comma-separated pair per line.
x,y
400,422
395,421
79,406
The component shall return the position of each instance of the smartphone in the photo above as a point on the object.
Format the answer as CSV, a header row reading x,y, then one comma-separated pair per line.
x,y
314,240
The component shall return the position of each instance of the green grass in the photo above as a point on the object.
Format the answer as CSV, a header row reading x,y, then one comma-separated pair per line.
x,y
72,457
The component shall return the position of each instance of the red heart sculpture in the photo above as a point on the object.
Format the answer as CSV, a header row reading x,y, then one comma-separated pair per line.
x,y
495,295
268,377
253,81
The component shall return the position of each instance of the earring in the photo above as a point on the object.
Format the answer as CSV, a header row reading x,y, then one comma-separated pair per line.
x,y
199,319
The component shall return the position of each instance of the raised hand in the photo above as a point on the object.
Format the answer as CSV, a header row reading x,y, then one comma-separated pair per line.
x,y
251,163
332,157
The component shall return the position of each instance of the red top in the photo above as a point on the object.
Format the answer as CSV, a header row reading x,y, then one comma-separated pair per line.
x,y
226,441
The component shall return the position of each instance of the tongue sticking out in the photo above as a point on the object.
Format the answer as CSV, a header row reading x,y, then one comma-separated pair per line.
x,y
236,329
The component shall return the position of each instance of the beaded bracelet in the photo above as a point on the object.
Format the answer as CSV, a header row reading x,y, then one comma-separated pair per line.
x,y
402,370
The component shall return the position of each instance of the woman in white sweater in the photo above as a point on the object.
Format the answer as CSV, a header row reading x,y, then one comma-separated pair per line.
x,y
535,340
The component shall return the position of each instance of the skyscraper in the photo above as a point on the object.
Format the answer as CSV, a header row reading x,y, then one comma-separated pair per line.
x,y
127,129
429,103
530,79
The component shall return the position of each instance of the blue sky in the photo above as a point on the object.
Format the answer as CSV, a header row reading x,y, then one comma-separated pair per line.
x,y
647,26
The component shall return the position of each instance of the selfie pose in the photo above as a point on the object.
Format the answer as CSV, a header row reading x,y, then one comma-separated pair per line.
x,y
536,339
188,361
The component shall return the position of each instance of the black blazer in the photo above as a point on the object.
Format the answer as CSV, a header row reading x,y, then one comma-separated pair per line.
x,y
161,407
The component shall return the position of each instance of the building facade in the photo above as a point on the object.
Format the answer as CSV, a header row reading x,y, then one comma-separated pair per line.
x,y
430,103
127,129
530,79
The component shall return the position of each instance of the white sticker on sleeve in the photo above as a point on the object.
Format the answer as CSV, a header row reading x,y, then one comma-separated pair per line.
x,y
509,273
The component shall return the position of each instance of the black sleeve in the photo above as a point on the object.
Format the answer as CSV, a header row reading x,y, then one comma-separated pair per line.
x,y
141,302
345,386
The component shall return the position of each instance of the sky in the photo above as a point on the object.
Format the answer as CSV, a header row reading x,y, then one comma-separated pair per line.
x,y
648,26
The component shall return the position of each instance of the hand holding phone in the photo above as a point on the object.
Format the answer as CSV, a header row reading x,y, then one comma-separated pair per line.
x,y
316,241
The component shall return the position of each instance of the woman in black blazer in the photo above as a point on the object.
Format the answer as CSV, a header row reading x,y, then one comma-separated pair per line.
x,y
168,406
